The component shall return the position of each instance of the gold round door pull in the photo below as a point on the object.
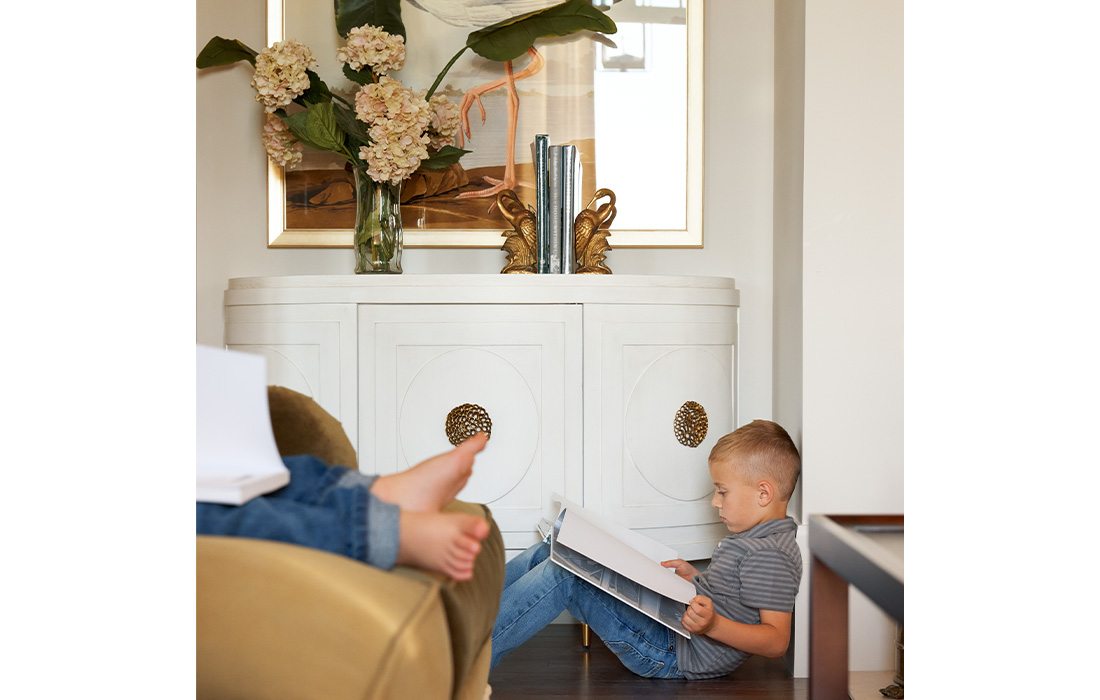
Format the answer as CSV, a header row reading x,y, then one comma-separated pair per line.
x,y
467,420
691,424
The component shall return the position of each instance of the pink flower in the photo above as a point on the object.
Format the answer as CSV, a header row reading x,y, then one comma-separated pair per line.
x,y
281,73
445,121
279,142
374,47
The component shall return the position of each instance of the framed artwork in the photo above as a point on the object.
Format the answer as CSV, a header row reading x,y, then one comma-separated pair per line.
x,y
634,110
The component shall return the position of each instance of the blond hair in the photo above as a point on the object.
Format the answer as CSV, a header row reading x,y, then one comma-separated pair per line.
x,y
766,452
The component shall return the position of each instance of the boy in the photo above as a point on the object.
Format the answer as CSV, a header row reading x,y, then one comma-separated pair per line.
x,y
746,595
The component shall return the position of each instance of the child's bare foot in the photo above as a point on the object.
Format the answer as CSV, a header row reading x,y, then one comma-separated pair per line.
x,y
433,483
444,542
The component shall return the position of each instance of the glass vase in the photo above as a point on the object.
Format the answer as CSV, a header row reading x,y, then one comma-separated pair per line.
x,y
377,233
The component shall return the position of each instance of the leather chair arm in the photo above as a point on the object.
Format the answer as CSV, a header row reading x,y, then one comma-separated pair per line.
x,y
276,620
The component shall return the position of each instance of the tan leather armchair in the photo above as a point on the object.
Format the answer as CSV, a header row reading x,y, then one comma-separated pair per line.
x,y
281,621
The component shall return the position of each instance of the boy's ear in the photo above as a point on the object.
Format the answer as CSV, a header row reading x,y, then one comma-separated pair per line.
x,y
765,493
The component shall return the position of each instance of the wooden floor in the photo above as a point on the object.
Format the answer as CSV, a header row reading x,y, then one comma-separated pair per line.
x,y
554,665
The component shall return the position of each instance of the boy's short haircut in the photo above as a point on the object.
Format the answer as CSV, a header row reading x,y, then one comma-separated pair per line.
x,y
767,451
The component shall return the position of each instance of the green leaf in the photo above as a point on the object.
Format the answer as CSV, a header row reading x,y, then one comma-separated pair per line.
x,y
322,128
443,159
222,52
297,124
316,127
378,13
509,39
363,76
355,129
316,93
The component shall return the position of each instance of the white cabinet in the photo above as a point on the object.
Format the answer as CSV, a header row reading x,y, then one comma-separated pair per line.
x,y
610,390
521,364
310,348
643,365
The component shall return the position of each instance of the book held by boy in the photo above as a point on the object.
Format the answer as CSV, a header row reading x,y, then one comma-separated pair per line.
x,y
237,458
625,564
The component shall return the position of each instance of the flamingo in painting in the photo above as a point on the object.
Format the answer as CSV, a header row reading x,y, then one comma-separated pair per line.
x,y
478,14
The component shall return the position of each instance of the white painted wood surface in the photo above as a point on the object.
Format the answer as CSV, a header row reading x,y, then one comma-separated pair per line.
x,y
581,375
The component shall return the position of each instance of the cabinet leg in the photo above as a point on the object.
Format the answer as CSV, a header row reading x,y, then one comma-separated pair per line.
x,y
584,635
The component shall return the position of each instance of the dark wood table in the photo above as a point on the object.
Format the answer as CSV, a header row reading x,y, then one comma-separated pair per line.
x,y
865,551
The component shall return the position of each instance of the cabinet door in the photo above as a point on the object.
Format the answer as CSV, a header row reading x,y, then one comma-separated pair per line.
x,y
309,348
519,364
648,371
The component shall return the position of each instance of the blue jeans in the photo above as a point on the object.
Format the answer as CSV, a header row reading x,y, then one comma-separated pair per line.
x,y
536,591
323,507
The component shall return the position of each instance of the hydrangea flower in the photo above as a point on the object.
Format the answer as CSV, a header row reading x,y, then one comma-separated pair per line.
x,y
378,104
281,145
374,47
281,73
401,123
445,121
394,155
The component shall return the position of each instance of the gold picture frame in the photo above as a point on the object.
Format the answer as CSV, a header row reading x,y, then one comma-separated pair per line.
x,y
655,164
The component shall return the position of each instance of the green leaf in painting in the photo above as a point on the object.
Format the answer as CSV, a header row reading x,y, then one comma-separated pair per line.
x,y
510,38
377,13
443,159
222,52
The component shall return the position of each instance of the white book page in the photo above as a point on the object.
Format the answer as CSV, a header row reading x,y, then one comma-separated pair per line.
x,y
654,550
594,542
235,440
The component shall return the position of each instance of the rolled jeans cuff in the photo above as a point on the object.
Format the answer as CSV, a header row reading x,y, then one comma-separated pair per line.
x,y
378,524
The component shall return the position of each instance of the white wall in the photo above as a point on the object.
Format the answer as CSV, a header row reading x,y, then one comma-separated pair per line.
x,y
841,256
231,194
790,106
790,85
852,257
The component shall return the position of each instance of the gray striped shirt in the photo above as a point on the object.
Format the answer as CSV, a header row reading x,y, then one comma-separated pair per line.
x,y
755,570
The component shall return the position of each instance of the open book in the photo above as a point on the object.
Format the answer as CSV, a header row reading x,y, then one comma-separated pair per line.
x,y
620,561
237,456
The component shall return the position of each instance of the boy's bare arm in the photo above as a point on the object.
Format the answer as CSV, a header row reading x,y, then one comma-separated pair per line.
x,y
769,638
681,568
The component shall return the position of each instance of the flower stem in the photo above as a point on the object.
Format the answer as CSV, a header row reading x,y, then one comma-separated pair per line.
x,y
439,78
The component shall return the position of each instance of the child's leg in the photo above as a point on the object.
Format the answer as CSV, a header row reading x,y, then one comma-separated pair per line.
x,y
522,563
530,602
536,597
643,645
335,509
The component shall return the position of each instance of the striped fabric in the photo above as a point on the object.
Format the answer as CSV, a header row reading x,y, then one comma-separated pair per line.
x,y
755,570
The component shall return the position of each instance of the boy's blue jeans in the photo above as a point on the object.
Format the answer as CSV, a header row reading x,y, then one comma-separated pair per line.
x,y
323,507
536,591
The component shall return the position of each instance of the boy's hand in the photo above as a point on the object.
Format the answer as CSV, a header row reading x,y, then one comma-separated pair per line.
x,y
681,568
699,618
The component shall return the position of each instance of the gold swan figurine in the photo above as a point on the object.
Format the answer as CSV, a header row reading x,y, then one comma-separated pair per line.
x,y
520,243
591,231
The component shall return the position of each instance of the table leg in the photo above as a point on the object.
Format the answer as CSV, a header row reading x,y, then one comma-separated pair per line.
x,y
828,633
